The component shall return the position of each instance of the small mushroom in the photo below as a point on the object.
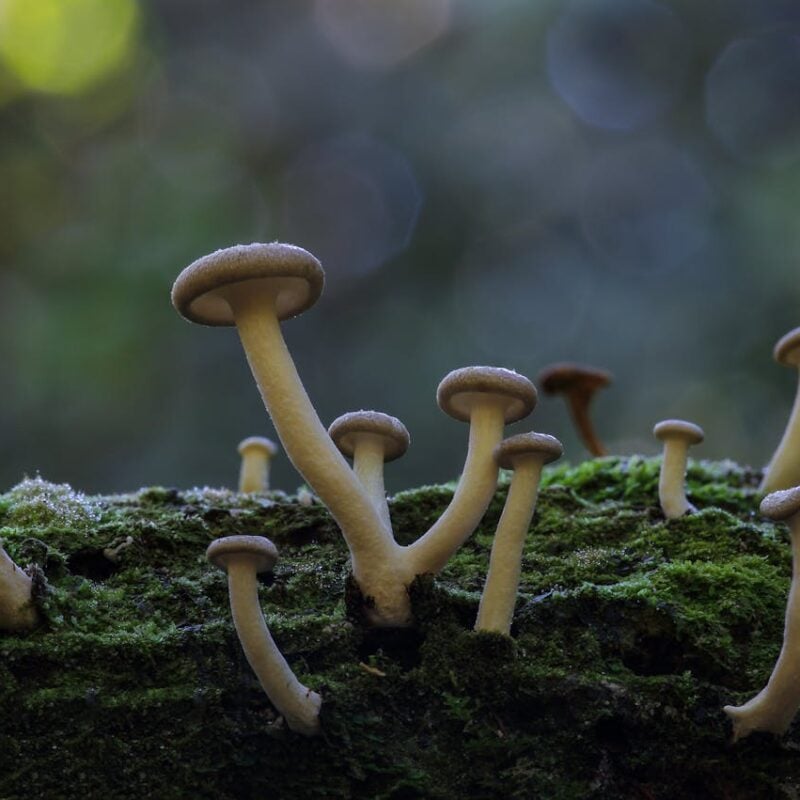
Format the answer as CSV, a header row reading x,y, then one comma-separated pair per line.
x,y
526,454
784,468
487,398
774,707
256,453
243,557
677,436
371,439
578,383
17,612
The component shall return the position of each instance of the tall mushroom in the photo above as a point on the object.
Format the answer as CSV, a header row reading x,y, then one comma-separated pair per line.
x,y
677,436
371,439
784,468
578,383
256,453
255,287
487,398
774,707
17,612
526,454
243,557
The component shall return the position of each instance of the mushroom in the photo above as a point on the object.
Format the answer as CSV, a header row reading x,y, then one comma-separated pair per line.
x,y
255,287
17,612
526,454
487,398
256,453
774,707
578,383
677,436
784,468
243,557
371,439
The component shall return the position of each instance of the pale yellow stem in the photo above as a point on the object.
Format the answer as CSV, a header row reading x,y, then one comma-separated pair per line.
x,y
672,479
783,471
368,455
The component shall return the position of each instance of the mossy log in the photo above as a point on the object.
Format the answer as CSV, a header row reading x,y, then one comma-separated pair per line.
x,y
629,636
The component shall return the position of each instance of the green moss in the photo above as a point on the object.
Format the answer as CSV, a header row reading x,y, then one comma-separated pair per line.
x,y
630,634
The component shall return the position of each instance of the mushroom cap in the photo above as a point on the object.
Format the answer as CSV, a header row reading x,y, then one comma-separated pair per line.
x,y
345,430
293,273
566,376
678,429
462,389
526,445
787,349
258,443
257,549
782,504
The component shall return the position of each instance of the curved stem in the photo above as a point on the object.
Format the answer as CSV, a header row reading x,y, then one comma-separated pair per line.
x,y
502,580
783,471
298,705
579,410
473,494
774,707
672,479
368,456
303,436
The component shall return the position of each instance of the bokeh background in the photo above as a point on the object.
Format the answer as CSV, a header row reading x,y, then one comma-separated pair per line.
x,y
510,183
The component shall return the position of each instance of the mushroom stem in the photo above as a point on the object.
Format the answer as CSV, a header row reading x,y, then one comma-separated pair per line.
x,y
774,707
784,468
303,436
473,494
17,612
500,591
671,480
368,459
579,410
298,704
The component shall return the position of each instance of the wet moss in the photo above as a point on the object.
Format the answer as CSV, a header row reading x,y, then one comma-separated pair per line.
x,y
630,634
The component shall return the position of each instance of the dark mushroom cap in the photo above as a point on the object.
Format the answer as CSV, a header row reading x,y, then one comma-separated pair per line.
x,y
462,389
678,429
345,430
258,443
256,549
526,445
782,504
565,377
293,272
787,349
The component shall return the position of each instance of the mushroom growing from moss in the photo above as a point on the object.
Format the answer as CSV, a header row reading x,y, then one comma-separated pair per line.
x,y
784,468
256,453
526,454
677,436
257,286
774,707
371,439
243,557
578,383
17,612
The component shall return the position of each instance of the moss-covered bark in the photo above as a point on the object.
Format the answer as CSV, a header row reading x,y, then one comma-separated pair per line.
x,y
630,635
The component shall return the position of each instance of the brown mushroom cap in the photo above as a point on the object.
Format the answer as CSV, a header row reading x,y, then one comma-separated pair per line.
x,y
345,430
678,429
566,376
258,443
258,549
782,504
292,272
787,349
461,389
509,452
